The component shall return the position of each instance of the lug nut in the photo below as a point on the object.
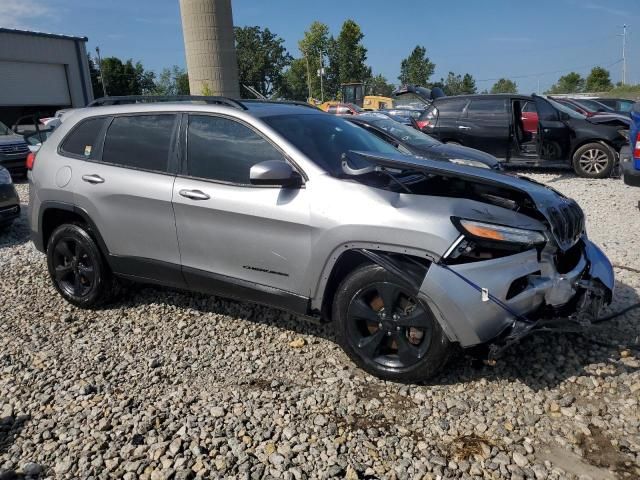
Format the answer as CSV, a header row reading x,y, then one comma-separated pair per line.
x,y
380,325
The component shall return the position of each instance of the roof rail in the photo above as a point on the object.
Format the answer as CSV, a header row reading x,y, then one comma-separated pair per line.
x,y
131,99
282,102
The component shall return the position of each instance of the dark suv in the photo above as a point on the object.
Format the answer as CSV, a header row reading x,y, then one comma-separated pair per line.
x,y
495,124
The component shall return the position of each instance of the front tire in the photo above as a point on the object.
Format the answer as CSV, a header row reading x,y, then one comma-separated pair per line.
x,y
593,160
76,267
387,331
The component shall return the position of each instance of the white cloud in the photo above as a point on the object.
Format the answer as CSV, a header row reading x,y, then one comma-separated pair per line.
x,y
23,13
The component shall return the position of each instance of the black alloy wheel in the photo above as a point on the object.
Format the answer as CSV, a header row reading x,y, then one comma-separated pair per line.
x,y
73,267
388,326
385,329
76,266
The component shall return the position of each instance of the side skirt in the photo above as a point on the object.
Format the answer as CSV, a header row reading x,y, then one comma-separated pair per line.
x,y
168,274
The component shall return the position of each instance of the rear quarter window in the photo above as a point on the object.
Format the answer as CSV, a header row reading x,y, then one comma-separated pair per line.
x,y
487,106
450,108
83,138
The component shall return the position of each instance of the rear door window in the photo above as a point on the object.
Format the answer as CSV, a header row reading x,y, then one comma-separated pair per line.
x,y
140,141
83,139
488,106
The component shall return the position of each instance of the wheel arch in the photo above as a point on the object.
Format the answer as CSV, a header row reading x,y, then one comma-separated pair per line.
x,y
586,141
409,265
53,214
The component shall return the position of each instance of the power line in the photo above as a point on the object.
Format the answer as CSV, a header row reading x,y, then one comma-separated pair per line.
x,y
540,74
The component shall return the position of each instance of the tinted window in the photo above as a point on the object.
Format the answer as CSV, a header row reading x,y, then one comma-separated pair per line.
x,y
487,106
324,138
404,133
140,141
625,106
451,107
529,107
225,150
82,140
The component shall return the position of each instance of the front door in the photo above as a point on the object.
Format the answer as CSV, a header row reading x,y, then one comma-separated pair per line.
x,y
484,125
126,188
554,137
228,229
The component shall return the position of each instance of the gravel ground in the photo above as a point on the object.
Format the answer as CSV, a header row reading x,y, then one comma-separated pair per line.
x,y
165,384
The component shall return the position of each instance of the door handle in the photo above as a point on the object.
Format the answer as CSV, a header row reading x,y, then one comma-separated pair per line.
x,y
462,127
93,179
194,194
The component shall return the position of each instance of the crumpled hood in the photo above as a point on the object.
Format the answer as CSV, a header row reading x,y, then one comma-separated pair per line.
x,y
564,216
610,120
447,151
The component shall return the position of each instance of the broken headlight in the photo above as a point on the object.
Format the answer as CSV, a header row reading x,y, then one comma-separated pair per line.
x,y
499,233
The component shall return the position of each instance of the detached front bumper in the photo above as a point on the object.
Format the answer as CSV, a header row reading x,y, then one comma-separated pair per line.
x,y
478,302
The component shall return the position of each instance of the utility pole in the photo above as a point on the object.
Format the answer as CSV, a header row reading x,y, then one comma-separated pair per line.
x,y
624,54
321,73
308,74
104,89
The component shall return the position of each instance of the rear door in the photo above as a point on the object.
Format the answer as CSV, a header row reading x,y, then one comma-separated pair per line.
x,y
126,188
554,139
485,125
441,119
228,229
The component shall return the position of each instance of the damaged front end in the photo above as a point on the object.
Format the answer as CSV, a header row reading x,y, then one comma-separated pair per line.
x,y
505,274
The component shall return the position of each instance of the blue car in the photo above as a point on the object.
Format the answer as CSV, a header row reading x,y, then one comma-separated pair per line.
x,y
630,156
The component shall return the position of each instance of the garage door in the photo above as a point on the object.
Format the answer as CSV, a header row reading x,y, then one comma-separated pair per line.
x,y
24,83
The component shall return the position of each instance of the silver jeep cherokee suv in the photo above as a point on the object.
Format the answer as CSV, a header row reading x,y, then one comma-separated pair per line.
x,y
291,207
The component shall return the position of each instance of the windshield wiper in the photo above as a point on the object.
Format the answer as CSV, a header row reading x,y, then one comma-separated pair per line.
x,y
356,172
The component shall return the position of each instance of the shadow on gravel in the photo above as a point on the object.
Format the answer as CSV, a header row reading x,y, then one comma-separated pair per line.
x,y
10,428
541,361
18,232
546,359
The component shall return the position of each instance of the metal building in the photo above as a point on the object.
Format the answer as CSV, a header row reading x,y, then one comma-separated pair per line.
x,y
210,47
41,72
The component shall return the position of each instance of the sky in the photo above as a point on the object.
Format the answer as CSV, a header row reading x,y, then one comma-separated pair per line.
x,y
531,42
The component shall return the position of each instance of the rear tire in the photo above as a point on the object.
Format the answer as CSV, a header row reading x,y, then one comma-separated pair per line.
x,y
594,160
77,269
403,343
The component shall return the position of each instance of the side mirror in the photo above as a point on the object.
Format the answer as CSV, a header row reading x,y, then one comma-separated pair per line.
x,y
274,173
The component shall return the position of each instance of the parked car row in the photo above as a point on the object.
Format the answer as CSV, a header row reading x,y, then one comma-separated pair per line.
x,y
287,206
503,125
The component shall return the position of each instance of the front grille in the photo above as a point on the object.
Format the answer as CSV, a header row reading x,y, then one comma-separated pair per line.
x,y
14,148
567,223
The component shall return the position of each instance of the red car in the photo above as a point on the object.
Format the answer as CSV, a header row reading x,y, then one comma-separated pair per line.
x,y
344,109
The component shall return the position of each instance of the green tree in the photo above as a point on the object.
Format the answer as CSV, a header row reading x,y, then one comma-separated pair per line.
x,y
126,78
468,85
94,74
456,84
314,46
295,81
378,85
599,80
172,81
504,85
416,68
351,54
569,83
262,60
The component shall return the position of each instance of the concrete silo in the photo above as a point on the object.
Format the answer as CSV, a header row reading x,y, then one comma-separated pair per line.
x,y
210,48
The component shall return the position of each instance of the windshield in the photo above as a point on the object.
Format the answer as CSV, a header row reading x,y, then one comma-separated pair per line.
x,y
404,133
593,105
324,138
4,130
565,109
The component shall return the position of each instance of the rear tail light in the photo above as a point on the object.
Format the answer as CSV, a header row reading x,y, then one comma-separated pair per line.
x,y
636,149
31,159
423,123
